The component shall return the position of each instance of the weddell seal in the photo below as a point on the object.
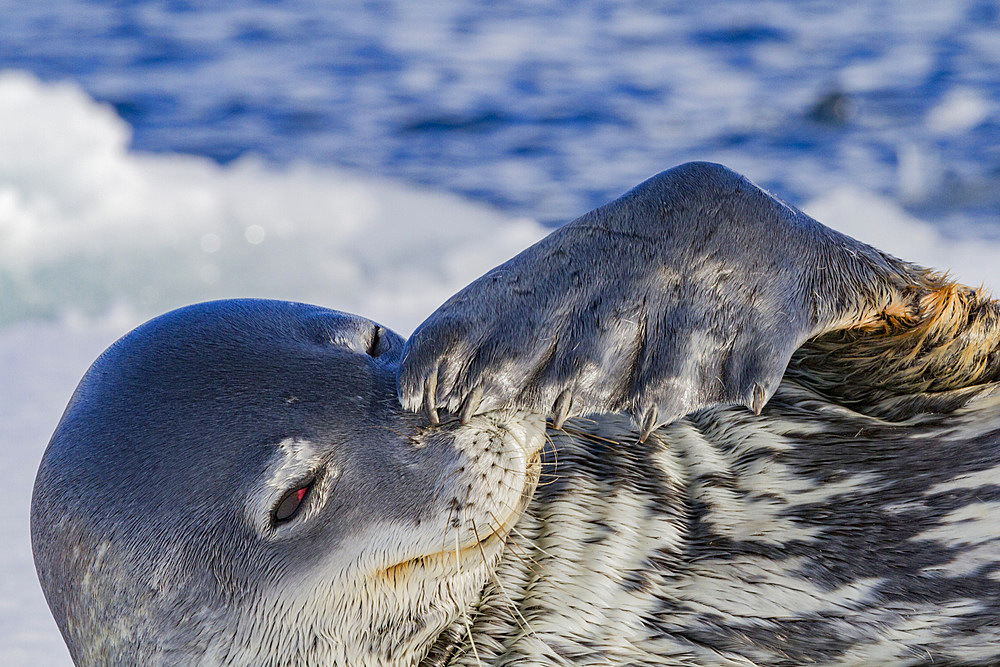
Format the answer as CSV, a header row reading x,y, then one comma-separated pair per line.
x,y
558,467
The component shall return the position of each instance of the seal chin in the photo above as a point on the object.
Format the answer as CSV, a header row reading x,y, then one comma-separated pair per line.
x,y
463,557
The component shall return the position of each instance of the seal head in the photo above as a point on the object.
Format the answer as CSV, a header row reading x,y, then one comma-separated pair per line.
x,y
235,482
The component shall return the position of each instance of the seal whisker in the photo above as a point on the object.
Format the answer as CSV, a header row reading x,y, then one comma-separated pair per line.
x,y
551,444
447,526
520,554
533,565
470,405
465,609
513,530
514,547
440,485
522,623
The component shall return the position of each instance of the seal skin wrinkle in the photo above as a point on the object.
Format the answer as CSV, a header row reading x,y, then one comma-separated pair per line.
x,y
692,427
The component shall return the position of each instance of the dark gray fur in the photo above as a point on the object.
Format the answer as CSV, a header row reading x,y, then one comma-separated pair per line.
x,y
138,522
695,263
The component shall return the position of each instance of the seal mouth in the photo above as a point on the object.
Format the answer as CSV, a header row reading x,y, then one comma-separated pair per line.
x,y
456,558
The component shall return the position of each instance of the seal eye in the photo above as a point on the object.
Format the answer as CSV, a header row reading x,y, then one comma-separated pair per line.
x,y
291,502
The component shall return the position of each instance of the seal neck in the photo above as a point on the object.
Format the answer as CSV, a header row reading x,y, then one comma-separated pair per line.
x,y
447,645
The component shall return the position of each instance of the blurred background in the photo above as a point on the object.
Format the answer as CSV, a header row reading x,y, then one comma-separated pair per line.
x,y
376,156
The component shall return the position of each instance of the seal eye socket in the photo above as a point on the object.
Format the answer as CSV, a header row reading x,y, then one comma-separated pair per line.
x,y
289,505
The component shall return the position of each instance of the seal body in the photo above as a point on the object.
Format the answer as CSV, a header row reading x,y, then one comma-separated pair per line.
x,y
809,535
693,427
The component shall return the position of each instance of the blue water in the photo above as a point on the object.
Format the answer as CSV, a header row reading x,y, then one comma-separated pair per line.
x,y
546,109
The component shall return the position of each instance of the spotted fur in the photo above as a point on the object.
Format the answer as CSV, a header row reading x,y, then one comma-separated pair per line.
x,y
812,534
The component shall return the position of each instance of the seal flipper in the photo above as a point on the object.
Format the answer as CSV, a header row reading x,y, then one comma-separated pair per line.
x,y
691,290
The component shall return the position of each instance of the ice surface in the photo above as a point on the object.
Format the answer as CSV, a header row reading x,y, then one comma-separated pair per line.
x,y
41,364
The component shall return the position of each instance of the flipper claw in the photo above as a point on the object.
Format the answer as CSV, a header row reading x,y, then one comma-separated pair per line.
x,y
759,396
560,411
470,405
648,423
430,397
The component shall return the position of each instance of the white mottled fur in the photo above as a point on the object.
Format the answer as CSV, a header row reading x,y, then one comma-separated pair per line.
x,y
569,589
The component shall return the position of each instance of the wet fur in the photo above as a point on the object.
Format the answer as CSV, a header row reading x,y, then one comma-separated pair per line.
x,y
929,350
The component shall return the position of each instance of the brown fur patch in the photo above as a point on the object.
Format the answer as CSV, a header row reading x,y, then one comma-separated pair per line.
x,y
935,337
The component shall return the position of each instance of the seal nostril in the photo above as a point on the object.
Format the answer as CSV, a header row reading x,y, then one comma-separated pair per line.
x,y
375,347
